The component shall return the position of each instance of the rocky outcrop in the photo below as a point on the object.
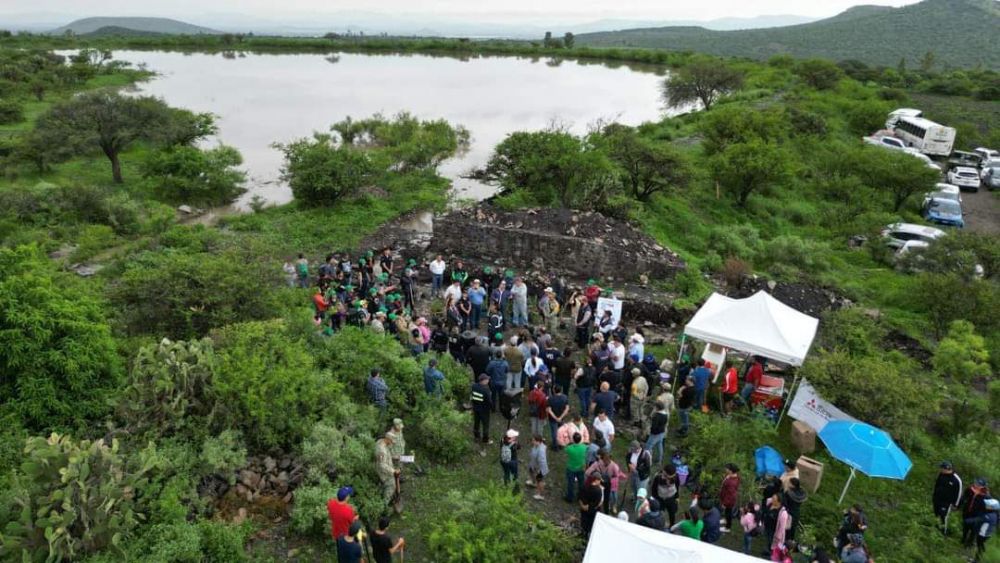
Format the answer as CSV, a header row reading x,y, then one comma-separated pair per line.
x,y
556,241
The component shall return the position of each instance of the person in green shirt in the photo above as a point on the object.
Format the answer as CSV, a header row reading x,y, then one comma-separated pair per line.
x,y
576,461
691,526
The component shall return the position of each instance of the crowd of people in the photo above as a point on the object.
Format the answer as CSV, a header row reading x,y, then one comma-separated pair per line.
x,y
572,347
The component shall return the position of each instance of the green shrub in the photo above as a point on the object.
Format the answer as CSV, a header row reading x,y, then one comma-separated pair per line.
x,y
852,331
182,295
223,454
187,174
442,431
77,498
309,516
338,450
58,361
268,384
737,241
716,441
204,541
962,355
320,172
223,543
11,111
797,253
482,524
170,388
91,240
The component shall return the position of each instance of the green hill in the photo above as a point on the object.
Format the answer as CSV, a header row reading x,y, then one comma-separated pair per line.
x,y
147,25
958,32
115,31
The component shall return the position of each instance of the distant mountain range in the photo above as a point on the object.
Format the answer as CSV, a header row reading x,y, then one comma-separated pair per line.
x,y
960,33
371,23
119,26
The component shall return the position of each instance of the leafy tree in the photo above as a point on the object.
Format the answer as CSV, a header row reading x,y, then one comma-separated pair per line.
x,y
58,361
965,254
192,175
647,166
702,79
897,174
11,111
553,167
927,61
569,40
949,297
731,124
962,355
181,295
744,168
106,120
820,74
547,41
409,143
321,172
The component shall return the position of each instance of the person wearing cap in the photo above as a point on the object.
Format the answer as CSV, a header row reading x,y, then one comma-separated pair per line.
x,y
592,293
385,468
508,456
973,508
477,296
987,527
341,513
348,547
482,405
639,396
947,493
458,273
548,309
398,441
383,545
437,267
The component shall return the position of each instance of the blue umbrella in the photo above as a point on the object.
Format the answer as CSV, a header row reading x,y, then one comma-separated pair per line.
x,y
865,448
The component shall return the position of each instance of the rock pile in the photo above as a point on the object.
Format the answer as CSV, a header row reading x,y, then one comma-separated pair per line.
x,y
262,476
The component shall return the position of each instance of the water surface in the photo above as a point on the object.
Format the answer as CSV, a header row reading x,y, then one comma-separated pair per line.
x,y
261,99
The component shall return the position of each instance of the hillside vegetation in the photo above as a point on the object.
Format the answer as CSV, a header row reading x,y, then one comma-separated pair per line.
x,y
959,33
151,25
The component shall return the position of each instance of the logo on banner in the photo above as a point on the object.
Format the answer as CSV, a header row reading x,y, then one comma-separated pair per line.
x,y
807,406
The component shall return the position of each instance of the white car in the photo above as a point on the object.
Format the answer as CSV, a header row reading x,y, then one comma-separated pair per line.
x,y
964,177
926,159
898,234
885,142
944,191
986,154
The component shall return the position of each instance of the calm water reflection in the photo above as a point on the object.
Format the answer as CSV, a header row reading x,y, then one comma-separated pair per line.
x,y
261,99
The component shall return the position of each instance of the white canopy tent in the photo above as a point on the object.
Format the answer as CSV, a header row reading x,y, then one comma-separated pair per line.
x,y
759,325
616,540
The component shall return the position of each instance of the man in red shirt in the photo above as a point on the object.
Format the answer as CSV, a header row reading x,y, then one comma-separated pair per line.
x,y
753,380
592,292
730,385
341,513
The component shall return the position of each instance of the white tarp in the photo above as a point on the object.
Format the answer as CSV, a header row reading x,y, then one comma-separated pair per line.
x,y
759,324
812,409
616,540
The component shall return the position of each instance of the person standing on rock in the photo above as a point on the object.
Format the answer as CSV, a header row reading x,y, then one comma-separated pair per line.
x,y
519,298
384,467
437,268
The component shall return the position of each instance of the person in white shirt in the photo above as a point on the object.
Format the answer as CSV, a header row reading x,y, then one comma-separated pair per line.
x,y
604,424
437,268
617,354
454,292
636,348
519,297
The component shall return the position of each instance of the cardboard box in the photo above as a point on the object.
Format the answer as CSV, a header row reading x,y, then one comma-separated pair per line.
x,y
803,437
810,473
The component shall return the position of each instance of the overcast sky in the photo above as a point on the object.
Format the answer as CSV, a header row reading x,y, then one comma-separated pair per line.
x,y
487,10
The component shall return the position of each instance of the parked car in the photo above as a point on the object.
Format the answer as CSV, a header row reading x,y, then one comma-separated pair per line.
x,y
944,191
991,177
885,142
926,159
964,177
986,154
963,158
944,212
898,234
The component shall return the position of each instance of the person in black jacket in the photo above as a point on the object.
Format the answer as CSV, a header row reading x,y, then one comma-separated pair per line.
x,y
973,503
482,405
947,493
478,356
793,499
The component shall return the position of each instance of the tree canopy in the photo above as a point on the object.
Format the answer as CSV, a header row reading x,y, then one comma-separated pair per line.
x,y
702,80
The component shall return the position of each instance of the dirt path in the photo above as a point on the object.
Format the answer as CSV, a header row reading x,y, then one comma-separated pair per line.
x,y
982,211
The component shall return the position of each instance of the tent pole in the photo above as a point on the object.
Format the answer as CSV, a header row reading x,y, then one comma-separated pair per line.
x,y
673,380
791,395
848,484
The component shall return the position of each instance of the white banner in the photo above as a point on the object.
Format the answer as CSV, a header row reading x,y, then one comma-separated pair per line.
x,y
612,304
810,408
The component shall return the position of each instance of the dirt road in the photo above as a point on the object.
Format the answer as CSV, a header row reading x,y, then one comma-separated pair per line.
x,y
982,211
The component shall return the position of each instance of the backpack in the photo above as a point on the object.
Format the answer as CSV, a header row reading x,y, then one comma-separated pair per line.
x,y
505,453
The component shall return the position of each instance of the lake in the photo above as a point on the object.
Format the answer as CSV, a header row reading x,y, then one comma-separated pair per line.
x,y
261,99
